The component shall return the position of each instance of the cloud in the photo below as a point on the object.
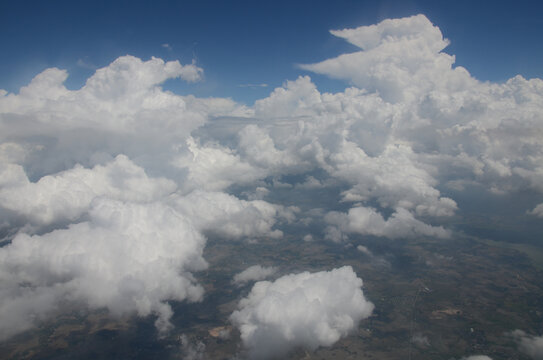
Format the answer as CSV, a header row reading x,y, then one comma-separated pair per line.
x,y
368,221
214,167
400,58
391,152
537,211
477,357
227,216
253,273
192,351
94,209
128,257
413,127
120,110
300,310
69,194
263,85
85,65
529,344
363,249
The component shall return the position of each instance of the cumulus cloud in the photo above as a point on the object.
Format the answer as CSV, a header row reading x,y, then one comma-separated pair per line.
x,y
529,344
367,221
253,273
399,58
96,209
120,110
127,257
68,194
412,127
395,148
300,310
537,211
190,350
226,215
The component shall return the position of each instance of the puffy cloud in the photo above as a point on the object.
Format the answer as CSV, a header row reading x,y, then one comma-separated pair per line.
x,y
127,257
363,249
259,149
413,127
120,110
192,351
537,211
368,221
213,167
393,178
253,273
400,58
529,344
411,133
307,310
226,215
94,174
68,194
477,357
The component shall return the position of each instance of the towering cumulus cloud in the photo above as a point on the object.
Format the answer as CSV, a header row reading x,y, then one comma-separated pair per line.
x,y
307,310
96,210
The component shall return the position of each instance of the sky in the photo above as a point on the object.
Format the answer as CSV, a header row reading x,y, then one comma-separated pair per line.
x,y
132,133
251,42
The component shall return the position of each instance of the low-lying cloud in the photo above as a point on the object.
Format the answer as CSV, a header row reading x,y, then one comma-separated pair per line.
x,y
529,344
301,310
253,273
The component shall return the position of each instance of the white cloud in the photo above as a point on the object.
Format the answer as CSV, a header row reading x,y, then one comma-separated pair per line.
x,y
529,344
190,350
214,167
306,310
254,85
226,215
363,249
68,194
411,127
253,273
400,58
91,172
85,65
367,221
537,211
308,238
127,257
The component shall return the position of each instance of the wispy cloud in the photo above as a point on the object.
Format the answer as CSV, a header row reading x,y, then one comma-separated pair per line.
x,y
254,85
85,64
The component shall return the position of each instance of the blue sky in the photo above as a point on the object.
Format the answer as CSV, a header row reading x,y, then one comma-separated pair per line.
x,y
251,42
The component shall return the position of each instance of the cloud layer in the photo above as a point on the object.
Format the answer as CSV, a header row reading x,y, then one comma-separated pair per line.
x,y
107,192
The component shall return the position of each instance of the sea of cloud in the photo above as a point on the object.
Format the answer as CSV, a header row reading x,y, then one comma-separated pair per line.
x,y
107,193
